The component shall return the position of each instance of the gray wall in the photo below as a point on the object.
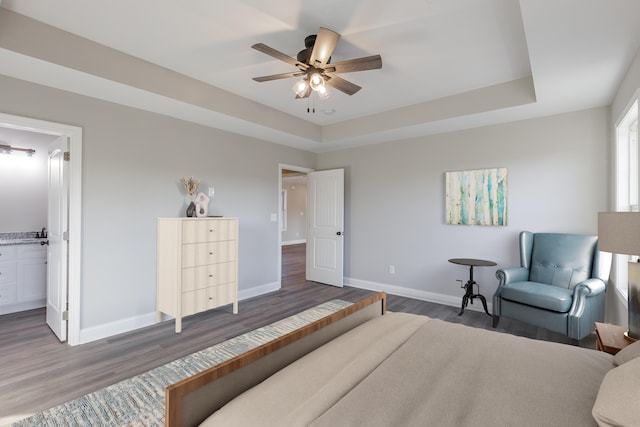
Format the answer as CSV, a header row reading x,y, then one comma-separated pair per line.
x,y
296,209
132,164
394,214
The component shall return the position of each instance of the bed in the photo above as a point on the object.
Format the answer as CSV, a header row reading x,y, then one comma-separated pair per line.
x,y
362,366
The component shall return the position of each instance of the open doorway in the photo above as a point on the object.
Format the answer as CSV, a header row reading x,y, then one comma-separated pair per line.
x,y
293,224
73,136
324,221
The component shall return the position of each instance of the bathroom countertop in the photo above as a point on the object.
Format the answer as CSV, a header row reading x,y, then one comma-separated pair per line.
x,y
11,242
20,238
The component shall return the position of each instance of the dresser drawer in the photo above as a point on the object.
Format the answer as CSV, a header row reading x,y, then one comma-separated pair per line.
x,y
199,300
7,253
7,293
208,230
7,272
222,294
196,254
194,302
208,275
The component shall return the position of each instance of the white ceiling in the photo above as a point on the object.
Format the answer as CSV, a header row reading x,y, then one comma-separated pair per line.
x,y
447,64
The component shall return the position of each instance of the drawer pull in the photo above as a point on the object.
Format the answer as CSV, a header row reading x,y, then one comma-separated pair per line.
x,y
211,275
210,298
210,253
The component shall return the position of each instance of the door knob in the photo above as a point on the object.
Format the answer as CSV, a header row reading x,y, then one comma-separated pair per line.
x,y
339,233
44,242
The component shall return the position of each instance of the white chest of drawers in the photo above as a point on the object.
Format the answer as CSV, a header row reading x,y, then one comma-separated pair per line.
x,y
197,265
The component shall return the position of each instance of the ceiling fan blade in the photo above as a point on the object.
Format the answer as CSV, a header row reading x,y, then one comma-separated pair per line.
x,y
359,64
342,85
279,76
279,55
326,42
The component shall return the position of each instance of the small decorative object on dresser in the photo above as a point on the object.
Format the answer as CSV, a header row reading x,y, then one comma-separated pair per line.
x,y
202,205
191,186
197,266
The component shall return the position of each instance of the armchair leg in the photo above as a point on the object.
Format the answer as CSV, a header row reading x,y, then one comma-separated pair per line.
x,y
496,319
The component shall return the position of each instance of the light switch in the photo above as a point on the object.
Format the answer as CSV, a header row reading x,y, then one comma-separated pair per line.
x,y
211,191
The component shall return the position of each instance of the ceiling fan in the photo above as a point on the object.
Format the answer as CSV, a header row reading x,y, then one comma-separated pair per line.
x,y
315,68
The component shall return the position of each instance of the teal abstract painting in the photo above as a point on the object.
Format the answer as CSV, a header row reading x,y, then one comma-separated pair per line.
x,y
476,197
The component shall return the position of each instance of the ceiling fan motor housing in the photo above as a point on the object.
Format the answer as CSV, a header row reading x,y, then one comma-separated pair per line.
x,y
305,54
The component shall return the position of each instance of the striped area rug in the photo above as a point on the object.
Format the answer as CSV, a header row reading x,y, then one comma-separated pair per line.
x,y
139,401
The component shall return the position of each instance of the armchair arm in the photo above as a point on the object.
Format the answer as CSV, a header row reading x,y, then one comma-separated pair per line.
x,y
506,275
593,286
583,290
587,307
512,274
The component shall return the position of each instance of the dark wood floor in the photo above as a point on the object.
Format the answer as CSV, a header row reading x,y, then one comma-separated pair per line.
x,y
37,371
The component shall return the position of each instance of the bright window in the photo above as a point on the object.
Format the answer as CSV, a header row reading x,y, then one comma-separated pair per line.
x,y
627,194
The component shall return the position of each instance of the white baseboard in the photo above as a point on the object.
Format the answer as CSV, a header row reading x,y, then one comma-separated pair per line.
x,y
256,291
107,330
443,299
126,325
294,242
14,308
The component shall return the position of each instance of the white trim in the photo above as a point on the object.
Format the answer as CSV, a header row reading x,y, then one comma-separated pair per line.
x,y
635,97
129,324
294,242
416,294
256,291
121,326
282,166
74,134
14,308
621,187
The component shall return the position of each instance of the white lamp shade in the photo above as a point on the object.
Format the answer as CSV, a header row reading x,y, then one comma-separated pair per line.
x,y
619,232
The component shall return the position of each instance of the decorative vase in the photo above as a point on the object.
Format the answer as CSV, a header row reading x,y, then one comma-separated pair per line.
x,y
191,210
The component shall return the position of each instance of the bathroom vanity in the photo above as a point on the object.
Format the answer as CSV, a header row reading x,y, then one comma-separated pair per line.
x,y
23,272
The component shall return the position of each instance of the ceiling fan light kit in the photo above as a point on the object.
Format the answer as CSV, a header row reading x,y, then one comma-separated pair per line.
x,y
322,92
316,81
315,67
300,88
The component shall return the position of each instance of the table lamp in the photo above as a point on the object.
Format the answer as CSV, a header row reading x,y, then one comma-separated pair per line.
x,y
619,233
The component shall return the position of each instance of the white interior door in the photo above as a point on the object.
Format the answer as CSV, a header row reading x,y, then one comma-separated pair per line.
x,y
325,234
57,251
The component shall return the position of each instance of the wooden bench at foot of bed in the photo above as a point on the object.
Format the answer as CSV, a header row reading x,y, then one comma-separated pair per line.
x,y
191,401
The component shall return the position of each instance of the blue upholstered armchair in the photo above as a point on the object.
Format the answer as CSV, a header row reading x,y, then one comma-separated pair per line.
x,y
560,284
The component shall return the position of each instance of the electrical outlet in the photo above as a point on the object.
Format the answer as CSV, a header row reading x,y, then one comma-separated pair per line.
x,y
392,269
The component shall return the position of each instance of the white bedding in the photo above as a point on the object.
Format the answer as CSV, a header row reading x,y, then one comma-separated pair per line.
x,y
403,369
